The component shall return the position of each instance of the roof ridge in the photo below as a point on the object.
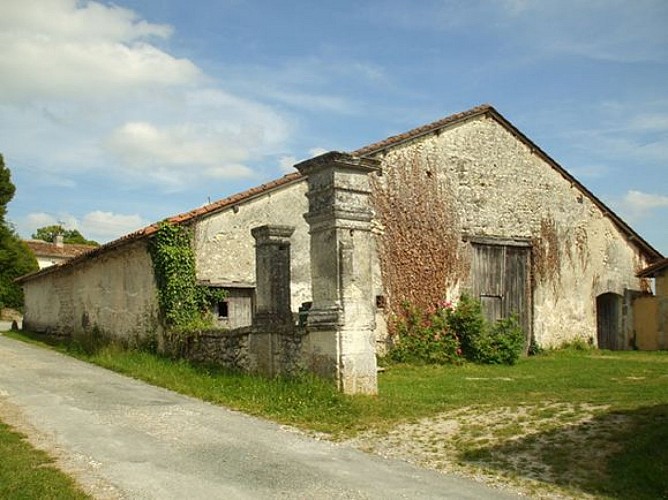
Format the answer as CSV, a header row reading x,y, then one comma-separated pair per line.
x,y
181,218
423,130
482,109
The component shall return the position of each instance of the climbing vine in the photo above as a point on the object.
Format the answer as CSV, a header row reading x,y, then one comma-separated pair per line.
x,y
420,249
184,304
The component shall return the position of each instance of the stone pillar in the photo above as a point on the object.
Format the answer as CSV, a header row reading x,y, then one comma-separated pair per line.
x,y
272,274
341,322
273,314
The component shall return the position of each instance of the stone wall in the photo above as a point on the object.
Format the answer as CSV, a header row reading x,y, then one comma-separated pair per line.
x,y
113,295
225,248
499,187
249,350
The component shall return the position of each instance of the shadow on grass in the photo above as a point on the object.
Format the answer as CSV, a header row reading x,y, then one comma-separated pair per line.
x,y
620,454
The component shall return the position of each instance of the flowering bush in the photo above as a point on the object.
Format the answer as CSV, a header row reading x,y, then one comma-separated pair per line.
x,y
447,334
425,336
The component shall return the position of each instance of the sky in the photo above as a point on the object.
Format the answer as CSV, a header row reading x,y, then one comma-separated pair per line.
x,y
117,115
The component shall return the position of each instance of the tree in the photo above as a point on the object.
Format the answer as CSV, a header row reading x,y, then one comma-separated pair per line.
x,y
70,236
7,189
16,259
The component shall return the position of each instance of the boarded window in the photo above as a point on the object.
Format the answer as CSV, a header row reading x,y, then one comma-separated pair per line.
x,y
501,281
237,309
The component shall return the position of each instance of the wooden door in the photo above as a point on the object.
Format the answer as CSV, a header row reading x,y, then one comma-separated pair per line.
x,y
608,320
501,281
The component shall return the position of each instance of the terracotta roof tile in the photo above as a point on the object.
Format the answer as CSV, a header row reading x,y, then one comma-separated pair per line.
x,y
484,109
68,250
183,218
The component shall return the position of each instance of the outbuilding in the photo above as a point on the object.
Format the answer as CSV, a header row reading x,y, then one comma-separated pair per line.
x,y
464,204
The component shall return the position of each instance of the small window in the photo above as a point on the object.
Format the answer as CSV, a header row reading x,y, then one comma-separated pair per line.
x,y
380,301
223,309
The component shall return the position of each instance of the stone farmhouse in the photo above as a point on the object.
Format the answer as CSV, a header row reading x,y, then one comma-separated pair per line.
x,y
467,204
50,254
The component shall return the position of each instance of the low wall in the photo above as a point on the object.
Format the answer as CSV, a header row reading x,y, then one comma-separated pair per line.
x,y
250,350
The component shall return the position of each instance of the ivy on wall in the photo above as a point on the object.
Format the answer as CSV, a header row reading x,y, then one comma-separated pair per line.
x,y
184,304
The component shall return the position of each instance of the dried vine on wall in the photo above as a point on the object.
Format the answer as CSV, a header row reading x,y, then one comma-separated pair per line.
x,y
420,248
550,248
547,253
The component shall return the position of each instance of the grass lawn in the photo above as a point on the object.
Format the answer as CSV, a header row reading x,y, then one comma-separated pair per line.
x,y
27,473
584,422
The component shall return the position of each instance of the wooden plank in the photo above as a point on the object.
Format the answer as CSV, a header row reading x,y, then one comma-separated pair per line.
x,y
501,281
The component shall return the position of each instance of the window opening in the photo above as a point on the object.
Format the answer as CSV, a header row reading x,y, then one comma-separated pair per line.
x,y
223,309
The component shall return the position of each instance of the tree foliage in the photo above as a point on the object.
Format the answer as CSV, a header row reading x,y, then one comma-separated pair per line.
x,y
16,259
70,236
7,189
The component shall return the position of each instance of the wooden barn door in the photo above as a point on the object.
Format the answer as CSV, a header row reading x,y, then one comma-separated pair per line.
x,y
608,320
501,281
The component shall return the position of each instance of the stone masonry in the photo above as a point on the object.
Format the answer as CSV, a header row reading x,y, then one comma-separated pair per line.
x,y
341,322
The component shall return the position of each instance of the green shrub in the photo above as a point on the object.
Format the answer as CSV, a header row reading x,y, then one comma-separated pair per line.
x,y
467,320
447,334
424,337
499,344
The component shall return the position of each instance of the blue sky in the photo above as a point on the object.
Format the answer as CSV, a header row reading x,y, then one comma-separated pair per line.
x,y
116,115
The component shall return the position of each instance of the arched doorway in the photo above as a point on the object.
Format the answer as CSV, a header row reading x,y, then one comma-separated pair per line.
x,y
609,321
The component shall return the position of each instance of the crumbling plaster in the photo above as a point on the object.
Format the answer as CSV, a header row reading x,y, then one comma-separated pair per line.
x,y
502,188
113,295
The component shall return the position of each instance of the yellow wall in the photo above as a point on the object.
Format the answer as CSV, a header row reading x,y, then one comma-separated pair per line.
x,y
662,285
650,317
645,323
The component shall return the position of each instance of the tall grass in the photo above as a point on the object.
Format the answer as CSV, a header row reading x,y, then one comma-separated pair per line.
x,y
627,387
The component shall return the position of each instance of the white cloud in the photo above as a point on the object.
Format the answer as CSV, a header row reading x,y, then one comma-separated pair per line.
x,y
287,163
314,102
649,122
637,204
635,132
39,219
317,152
62,48
224,134
97,225
609,30
88,83
105,226
590,171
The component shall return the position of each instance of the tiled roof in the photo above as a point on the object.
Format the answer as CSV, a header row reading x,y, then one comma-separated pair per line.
x,y
66,251
183,218
482,110
423,130
488,110
654,269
